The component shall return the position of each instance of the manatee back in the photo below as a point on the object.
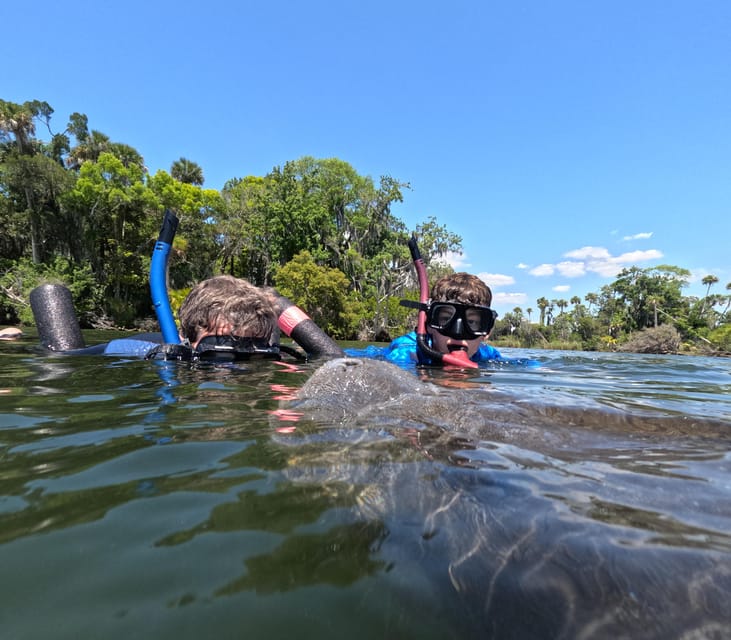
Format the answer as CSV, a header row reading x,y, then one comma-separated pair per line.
x,y
353,384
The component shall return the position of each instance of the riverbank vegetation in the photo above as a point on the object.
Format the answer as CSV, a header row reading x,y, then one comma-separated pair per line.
x,y
79,208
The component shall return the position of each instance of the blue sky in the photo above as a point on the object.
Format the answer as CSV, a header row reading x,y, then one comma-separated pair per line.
x,y
563,140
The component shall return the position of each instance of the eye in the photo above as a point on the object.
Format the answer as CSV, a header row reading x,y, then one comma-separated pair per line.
x,y
474,319
443,315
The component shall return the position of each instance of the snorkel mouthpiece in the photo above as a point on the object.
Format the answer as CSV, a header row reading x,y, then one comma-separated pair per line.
x,y
458,358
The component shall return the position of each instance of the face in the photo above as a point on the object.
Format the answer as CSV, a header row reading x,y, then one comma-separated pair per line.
x,y
445,344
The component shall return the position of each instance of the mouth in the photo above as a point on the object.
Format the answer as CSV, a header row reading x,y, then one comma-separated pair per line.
x,y
456,347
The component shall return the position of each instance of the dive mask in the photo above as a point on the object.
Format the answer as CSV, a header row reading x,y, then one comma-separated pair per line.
x,y
456,320
460,321
228,347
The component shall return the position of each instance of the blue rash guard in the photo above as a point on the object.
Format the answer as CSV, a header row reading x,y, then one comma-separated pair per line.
x,y
132,347
403,351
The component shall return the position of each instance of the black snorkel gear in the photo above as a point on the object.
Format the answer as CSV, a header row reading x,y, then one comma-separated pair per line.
x,y
455,358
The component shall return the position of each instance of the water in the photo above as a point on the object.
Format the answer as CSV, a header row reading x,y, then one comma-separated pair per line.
x,y
588,497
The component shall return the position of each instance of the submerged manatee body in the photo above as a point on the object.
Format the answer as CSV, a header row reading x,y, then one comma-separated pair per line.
x,y
520,520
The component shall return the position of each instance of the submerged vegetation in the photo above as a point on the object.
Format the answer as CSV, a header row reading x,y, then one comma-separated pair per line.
x,y
81,209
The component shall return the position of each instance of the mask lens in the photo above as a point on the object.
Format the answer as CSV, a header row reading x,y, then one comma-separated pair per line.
x,y
442,315
475,319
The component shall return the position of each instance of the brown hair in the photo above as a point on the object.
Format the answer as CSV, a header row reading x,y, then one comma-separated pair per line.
x,y
225,300
461,287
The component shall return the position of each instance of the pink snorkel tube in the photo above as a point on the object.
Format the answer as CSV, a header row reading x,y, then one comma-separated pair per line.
x,y
455,358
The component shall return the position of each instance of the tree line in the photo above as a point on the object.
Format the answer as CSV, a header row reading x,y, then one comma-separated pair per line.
x,y
642,310
79,208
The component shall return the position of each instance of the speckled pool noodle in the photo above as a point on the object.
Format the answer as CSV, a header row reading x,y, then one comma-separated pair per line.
x,y
53,310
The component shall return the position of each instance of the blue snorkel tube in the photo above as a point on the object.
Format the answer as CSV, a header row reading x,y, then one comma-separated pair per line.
x,y
158,277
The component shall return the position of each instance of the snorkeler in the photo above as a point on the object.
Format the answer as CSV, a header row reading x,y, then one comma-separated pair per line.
x,y
454,320
222,318
458,320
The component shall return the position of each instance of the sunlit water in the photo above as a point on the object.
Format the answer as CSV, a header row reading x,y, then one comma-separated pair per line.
x,y
587,497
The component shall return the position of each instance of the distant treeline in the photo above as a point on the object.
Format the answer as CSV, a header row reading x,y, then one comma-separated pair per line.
x,y
81,209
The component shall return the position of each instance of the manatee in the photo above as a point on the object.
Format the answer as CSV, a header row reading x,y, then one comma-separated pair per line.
x,y
516,517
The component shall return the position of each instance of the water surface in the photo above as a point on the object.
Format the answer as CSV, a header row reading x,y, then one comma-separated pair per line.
x,y
587,497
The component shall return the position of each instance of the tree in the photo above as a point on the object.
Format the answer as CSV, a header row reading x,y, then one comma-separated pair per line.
x,y
120,217
632,298
187,172
321,291
709,281
542,304
196,248
27,173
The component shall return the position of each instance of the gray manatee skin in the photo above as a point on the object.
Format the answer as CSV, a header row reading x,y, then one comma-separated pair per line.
x,y
351,385
360,391
547,530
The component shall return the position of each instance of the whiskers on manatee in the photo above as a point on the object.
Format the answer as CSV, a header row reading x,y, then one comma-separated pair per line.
x,y
504,505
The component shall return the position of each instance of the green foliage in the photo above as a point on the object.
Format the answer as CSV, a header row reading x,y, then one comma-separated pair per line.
x,y
662,339
720,338
320,291
81,209
640,298
195,249
23,276
121,216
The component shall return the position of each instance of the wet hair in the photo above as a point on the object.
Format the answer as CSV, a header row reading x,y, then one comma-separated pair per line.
x,y
225,300
461,287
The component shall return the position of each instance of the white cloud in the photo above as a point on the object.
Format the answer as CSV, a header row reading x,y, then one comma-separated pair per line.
x,y
562,288
522,265
638,256
595,260
496,279
458,261
592,253
571,269
502,298
639,236
543,270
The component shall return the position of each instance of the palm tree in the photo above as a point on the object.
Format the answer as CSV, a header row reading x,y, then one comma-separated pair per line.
x,y
591,298
187,171
709,281
542,304
18,120
529,310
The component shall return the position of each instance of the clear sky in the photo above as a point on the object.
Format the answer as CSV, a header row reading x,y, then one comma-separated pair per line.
x,y
562,139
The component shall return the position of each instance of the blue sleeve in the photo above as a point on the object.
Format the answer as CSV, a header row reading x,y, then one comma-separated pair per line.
x,y
371,351
402,350
129,347
487,352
